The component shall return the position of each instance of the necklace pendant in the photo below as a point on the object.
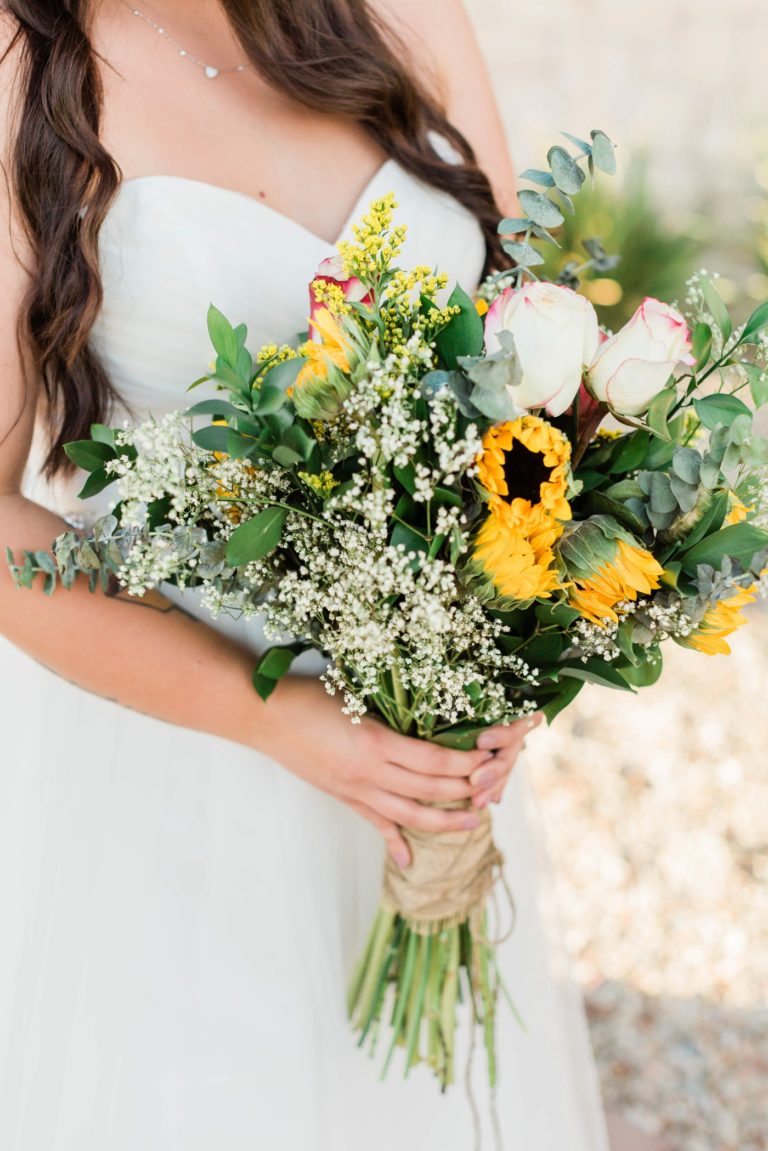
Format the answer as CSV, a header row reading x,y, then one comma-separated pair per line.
x,y
210,72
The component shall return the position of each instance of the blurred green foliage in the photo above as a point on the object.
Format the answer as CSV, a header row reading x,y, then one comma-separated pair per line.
x,y
656,260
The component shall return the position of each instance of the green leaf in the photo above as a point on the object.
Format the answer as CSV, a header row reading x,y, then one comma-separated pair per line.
x,y
459,738
213,408
536,176
629,452
522,253
284,375
737,541
103,435
89,454
541,209
406,477
717,308
274,664
408,537
643,674
213,438
658,413
298,440
269,400
603,153
96,482
223,336
464,335
720,409
756,323
544,649
567,174
556,615
566,695
701,345
285,456
597,671
758,384
256,538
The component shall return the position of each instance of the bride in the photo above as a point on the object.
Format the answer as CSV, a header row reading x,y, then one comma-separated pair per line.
x,y
186,874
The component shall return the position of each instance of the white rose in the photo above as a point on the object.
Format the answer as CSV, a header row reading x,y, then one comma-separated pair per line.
x,y
556,336
634,365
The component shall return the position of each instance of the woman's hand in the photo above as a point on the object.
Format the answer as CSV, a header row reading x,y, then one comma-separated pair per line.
x,y
506,742
387,778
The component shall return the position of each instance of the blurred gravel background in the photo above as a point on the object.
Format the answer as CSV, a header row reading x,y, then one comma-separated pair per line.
x,y
656,805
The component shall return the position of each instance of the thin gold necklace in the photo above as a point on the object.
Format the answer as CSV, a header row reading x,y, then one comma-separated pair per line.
x,y
208,70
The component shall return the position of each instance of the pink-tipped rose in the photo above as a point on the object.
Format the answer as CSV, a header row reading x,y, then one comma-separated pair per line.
x,y
556,335
632,367
331,271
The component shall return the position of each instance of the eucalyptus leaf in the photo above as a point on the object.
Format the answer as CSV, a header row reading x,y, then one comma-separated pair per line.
x,y
603,154
568,176
536,176
541,209
686,463
522,253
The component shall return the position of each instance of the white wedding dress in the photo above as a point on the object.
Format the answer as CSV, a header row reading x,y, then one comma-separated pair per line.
x,y
180,915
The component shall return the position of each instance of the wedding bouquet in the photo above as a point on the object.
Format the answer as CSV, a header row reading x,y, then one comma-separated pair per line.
x,y
472,507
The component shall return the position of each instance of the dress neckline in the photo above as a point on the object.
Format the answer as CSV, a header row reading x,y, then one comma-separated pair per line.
x,y
360,204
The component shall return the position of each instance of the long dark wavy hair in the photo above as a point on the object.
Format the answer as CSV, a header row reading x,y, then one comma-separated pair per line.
x,y
63,180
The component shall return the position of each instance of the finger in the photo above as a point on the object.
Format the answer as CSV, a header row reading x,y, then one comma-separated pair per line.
x,y
396,843
415,785
504,734
430,758
411,813
499,768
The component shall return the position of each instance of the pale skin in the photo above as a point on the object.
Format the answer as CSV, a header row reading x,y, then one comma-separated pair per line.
x,y
160,661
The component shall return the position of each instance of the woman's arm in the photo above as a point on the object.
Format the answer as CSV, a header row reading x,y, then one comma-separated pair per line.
x,y
443,43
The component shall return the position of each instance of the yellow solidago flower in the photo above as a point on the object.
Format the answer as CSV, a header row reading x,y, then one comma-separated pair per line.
x,y
606,567
526,462
723,618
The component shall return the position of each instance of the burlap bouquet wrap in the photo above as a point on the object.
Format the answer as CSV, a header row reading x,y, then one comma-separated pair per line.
x,y
449,879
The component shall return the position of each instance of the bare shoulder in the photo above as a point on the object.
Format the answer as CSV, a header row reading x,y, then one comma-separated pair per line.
x,y
433,31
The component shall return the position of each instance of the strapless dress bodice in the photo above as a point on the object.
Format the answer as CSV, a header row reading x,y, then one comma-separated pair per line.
x,y
171,246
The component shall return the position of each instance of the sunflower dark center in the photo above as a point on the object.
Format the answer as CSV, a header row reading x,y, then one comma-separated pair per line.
x,y
525,472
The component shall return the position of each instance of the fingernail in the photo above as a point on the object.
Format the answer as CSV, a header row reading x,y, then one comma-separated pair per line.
x,y
470,822
401,859
482,800
485,777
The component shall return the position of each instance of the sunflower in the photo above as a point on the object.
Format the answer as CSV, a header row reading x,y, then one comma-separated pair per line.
x,y
606,566
323,383
720,620
524,470
517,558
524,463
332,348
